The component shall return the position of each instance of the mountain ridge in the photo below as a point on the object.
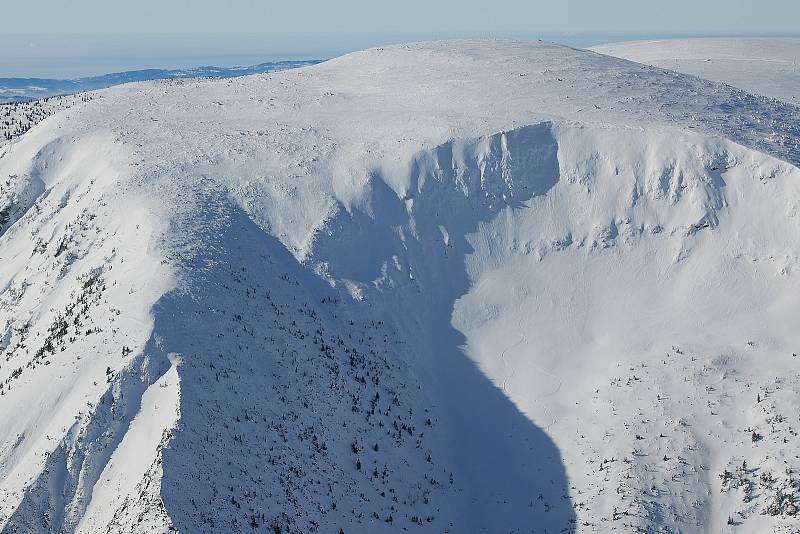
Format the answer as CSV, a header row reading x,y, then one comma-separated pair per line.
x,y
25,89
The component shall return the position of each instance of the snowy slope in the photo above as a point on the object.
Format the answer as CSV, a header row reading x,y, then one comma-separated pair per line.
x,y
449,287
768,66
18,117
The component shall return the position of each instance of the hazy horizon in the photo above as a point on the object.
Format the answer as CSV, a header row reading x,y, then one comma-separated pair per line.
x,y
67,56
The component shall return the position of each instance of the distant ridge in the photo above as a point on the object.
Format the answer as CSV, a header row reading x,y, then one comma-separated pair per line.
x,y
26,89
766,66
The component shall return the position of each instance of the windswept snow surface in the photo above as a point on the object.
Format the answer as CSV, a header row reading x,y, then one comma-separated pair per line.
x,y
768,66
462,286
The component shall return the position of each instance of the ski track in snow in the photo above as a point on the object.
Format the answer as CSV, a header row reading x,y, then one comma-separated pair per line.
x,y
535,367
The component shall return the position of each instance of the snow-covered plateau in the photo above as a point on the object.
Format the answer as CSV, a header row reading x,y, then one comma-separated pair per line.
x,y
463,286
768,66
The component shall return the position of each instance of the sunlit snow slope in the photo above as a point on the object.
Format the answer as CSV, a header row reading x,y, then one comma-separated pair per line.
x,y
445,287
768,66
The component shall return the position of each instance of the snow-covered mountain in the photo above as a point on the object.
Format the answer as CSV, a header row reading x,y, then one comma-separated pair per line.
x,y
463,286
768,66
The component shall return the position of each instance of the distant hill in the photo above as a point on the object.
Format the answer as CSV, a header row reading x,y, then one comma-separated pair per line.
x,y
759,65
25,89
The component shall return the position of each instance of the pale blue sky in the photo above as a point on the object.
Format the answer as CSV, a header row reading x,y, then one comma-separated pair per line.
x,y
580,16
56,38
